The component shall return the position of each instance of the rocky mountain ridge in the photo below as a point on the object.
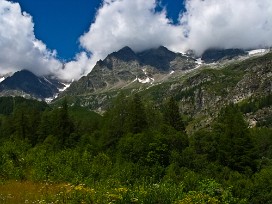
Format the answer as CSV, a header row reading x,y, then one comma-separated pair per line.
x,y
119,70
201,90
25,83
123,68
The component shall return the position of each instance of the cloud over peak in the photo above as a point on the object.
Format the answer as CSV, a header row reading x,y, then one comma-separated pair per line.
x,y
120,23
227,24
136,23
205,24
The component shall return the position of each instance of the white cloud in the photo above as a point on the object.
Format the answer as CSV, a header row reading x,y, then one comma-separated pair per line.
x,y
206,24
134,23
19,47
77,68
228,24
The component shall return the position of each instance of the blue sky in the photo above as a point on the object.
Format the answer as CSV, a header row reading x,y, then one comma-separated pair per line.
x,y
66,38
60,23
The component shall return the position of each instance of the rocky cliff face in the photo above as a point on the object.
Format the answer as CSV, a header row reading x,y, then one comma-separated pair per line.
x,y
123,68
200,90
205,92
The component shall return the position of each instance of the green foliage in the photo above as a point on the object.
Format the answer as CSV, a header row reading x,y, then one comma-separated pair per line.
x,y
116,121
9,104
205,143
235,146
254,104
262,192
172,115
13,164
137,152
263,139
137,115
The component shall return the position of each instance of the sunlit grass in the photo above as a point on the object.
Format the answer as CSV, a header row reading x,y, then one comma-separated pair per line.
x,y
111,191
28,192
47,192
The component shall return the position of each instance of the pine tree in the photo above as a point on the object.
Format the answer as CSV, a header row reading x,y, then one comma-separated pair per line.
x,y
172,116
45,127
20,123
64,126
236,148
137,115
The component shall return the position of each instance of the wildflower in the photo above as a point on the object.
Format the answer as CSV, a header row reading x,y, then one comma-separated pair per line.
x,y
114,197
156,185
134,200
121,190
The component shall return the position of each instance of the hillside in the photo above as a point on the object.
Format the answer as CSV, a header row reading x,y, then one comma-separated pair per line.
x,y
180,140
25,83
124,69
201,90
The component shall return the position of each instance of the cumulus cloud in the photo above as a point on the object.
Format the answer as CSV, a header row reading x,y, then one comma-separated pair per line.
x,y
19,47
77,68
135,23
227,24
205,24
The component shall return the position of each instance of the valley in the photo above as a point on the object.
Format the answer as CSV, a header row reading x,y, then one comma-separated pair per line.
x,y
134,131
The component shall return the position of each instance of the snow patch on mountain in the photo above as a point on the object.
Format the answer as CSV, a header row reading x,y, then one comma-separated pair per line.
x,y
2,79
66,86
145,81
199,61
258,51
49,100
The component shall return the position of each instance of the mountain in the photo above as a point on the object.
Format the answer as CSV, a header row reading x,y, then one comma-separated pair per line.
x,y
25,83
126,68
200,90
215,55
156,74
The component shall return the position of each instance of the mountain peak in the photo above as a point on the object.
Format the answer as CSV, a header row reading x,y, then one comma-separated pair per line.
x,y
25,82
126,49
20,76
162,48
124,67
126,54
159,57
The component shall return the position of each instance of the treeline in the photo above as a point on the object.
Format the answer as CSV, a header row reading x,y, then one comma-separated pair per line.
x,y
137,142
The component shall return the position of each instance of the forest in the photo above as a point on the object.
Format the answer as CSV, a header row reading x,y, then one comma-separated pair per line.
x,y
136,152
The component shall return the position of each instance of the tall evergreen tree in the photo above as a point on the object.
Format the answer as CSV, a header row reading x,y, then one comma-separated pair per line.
x,y
137,115
45,127
20,123
172,115
236,148
64,126
115,121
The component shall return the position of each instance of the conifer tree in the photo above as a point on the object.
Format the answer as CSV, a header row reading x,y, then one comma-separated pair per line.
x,y
45,127
172,116
236,148
115,120
137,115
20,123
64,124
